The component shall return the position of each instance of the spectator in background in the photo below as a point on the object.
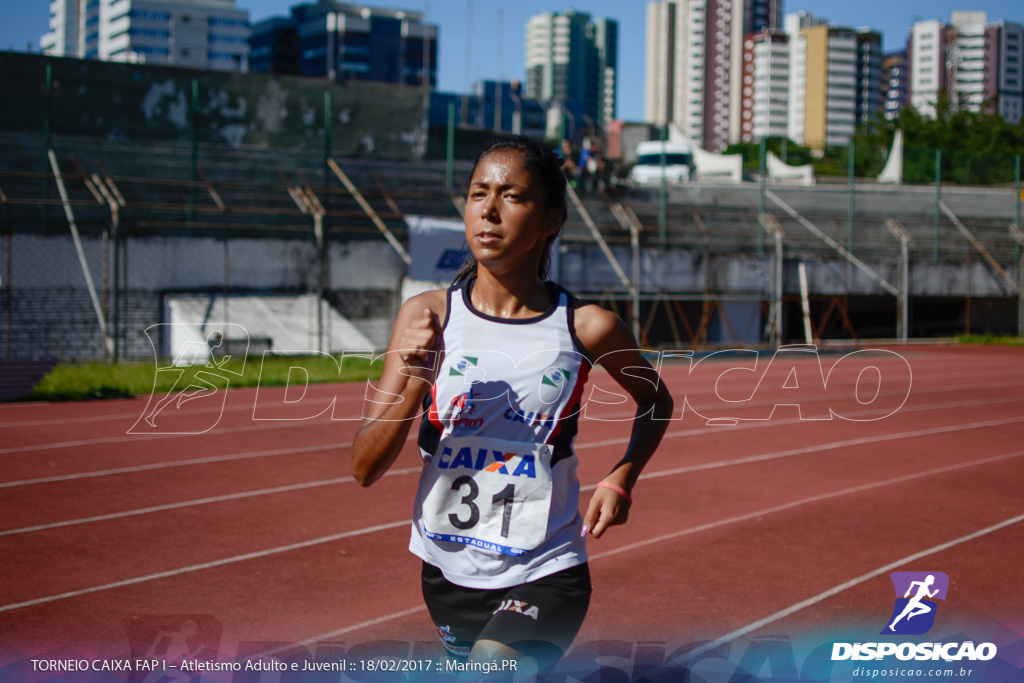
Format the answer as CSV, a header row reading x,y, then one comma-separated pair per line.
x,y
584,165
568,167
596,170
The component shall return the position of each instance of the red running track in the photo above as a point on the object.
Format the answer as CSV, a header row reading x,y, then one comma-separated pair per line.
x,y
240,517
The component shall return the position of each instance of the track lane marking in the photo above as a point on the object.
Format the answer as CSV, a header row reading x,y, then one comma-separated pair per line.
x,y
245,455
415,470
404,613
206,565
153,437
352,398
616,417
394,525
202,501
792,609
705,391
183,411
806,501
699,431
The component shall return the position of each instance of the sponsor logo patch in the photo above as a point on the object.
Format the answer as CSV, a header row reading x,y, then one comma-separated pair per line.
x,y
460,368
448,639
519,607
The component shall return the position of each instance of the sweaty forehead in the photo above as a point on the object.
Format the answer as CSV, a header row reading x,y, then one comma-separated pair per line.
x,y
502,167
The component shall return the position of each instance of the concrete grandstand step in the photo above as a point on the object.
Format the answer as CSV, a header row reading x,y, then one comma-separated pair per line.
x,y
18,377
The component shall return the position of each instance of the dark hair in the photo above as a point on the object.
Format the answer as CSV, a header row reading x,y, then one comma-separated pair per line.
x,y
546,167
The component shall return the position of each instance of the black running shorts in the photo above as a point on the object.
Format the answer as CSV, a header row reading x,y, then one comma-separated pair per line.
x,y
538,619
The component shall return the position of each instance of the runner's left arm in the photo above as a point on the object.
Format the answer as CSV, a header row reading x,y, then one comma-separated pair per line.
x,y
613,347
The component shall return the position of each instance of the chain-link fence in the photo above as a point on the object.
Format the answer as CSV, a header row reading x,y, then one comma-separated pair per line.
x,y
175,195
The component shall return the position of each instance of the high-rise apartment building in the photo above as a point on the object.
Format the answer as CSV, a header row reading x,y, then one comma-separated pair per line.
x,y
766,67
870,72
571,57
347,41
970,60
835,80
206,34
977,64
927,49
895,83
1009,81
68,22
675,61
695,64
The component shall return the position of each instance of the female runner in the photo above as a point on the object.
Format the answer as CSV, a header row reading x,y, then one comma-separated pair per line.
x,y
499,361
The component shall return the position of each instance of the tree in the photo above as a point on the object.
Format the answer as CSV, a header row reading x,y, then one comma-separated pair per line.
x,y
977,148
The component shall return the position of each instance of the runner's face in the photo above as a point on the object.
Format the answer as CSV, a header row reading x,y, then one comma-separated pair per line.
x,y
507,219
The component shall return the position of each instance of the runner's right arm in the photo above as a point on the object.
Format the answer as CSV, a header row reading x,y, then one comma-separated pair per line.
x,y
409,369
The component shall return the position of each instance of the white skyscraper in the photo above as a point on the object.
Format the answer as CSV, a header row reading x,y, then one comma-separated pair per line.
x,y
695,64
573,58
979,64
766,67
674,85
968,58
928,65
207,34
67,28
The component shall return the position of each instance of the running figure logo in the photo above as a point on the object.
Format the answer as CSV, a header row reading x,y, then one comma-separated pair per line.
x,y
197,377
914,612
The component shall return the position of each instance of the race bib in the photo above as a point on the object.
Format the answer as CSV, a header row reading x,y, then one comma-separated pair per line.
x,y
490,494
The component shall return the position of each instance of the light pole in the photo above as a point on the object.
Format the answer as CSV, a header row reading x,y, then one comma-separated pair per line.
x,y
590,124
517,115
572,119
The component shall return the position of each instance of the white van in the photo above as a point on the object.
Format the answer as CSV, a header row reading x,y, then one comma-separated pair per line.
x,y
678,163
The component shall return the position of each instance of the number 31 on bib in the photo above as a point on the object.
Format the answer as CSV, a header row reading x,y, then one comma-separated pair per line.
x,y
489,494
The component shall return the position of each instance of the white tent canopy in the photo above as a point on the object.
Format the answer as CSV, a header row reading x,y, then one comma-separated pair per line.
x,y
710,166
893,171
279,323
780,172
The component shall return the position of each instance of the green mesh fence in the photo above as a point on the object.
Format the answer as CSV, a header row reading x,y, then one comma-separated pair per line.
x,y
120,102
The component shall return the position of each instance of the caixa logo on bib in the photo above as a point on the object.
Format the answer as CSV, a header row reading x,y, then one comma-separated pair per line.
x,y
916,596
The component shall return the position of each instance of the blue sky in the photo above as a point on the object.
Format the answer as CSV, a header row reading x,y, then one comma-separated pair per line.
x,y
494,41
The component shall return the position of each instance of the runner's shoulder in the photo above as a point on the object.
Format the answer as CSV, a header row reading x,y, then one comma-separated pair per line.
x,y
600,330
435,299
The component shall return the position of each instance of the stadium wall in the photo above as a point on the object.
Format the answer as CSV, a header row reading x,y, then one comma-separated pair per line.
x,y
48,312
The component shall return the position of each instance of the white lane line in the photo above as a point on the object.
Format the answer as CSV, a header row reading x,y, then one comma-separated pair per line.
x,y
352,398
342,631
781,614
202,501
284,424
754,424
207,565
144,398
805,501
415,470
177,463
831,446
279,424
703,430
393,525
347,398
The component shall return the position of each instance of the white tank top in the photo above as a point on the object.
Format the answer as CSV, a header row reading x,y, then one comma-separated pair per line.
x,y
498,499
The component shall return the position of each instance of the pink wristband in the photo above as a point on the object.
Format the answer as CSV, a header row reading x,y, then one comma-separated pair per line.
x,y
619,490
